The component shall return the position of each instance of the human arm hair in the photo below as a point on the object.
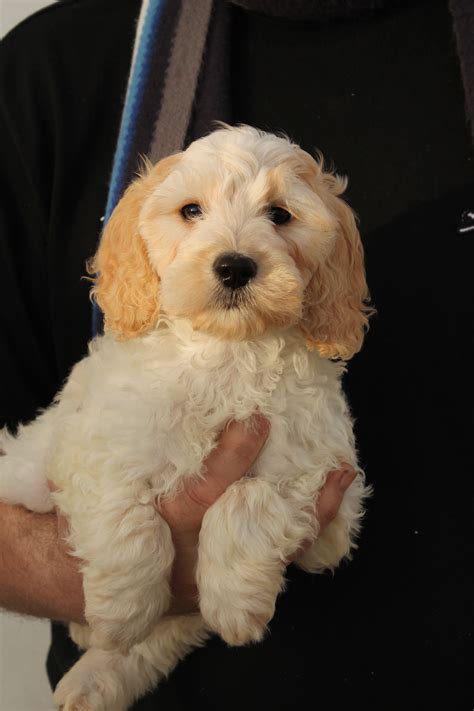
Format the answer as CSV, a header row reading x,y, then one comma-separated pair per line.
x,y
37,574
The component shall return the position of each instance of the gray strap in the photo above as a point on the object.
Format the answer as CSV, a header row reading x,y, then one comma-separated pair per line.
x,y
463,15
181,78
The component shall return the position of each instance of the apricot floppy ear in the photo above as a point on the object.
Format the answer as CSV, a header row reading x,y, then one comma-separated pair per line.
x,y
126,287
337,298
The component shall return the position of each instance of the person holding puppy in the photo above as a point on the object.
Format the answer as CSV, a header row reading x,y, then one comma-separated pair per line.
x,y
350,78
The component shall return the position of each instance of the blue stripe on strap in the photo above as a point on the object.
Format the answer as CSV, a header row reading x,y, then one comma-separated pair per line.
x,y
130,116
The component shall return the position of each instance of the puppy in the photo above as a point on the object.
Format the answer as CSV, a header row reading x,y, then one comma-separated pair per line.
x,y
231,278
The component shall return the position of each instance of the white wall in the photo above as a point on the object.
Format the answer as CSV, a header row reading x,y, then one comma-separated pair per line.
x,y
23,682
14,11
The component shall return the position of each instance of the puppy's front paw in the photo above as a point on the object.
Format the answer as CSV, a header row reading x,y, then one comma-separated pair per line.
x,y
239,608
239,627
328,549
236,621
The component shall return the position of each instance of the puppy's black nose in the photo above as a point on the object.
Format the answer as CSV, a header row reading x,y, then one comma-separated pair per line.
x,y
234,270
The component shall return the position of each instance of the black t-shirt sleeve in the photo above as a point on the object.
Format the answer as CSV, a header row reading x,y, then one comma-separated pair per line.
x,y
27,162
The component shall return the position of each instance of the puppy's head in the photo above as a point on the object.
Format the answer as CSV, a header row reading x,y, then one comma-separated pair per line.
x,y
242,232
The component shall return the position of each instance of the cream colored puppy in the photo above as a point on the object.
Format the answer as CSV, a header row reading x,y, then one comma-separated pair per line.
x,y
231,278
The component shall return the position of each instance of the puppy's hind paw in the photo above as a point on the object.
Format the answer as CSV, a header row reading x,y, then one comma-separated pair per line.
x,y
79,700
91,685
76,703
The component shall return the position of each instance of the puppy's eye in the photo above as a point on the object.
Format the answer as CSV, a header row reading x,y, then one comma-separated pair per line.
x,y
279,215
191,211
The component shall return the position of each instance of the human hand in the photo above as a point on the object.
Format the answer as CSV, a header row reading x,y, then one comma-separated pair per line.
x,y
237,451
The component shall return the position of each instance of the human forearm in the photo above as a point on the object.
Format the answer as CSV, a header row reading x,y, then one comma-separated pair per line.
x,y
37,576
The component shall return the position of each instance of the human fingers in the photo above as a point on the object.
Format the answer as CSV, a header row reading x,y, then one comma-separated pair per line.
x,y
331,495
238,447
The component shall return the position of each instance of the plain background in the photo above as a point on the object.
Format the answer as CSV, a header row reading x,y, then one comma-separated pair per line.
x,y
23,642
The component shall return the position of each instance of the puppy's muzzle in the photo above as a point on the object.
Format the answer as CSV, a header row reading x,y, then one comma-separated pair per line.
x,y
234,270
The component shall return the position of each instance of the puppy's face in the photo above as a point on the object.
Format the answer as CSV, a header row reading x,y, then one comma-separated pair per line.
x,y
235,233
240,233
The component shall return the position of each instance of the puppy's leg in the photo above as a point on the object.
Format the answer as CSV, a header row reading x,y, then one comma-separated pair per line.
x,y
246,537
23,482
23,466
108,681
127,554
80,634
24,456
339,538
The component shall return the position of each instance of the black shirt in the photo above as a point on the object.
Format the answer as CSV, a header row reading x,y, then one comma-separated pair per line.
x,y
381,96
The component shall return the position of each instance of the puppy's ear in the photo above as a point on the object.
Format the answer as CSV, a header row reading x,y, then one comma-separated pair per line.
x,y
126,287
336,309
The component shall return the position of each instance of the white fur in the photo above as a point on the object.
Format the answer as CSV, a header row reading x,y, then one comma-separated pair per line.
x,y
135,419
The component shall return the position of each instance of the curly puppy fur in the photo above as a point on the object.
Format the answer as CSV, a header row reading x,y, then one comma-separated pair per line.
x,y
182,355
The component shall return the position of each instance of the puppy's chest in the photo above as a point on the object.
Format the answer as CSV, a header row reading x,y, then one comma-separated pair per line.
x,y
233,382
200,391
159,411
